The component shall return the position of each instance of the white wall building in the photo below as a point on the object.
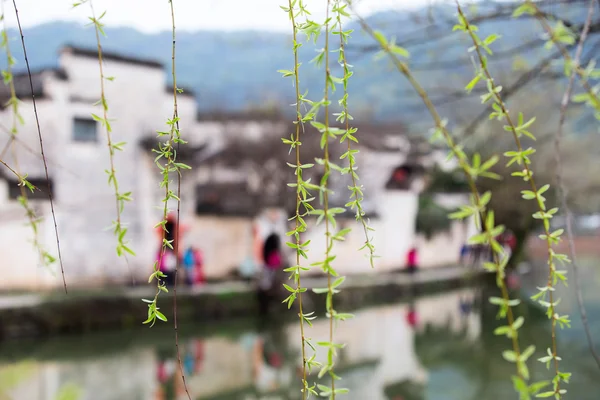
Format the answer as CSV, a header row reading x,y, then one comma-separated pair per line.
x,y
140,103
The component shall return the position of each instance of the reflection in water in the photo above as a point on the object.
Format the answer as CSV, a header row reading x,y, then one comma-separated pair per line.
x,y
436,348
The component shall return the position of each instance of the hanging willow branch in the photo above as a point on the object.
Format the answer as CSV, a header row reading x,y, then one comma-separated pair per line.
x,y
521,157
478,209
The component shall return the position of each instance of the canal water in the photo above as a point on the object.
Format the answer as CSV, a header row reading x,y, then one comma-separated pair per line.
x,y
438,347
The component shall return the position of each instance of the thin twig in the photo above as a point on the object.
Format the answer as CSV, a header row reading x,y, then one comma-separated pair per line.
x,y
561,189
178,225
7,146
355,191
11,170
37,121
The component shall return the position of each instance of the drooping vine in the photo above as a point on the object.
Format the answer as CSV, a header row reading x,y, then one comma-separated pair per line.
x,y
13,102
167,164
295,9
356,191
479,210
312,30
328,214
561,36
39,132
120,230
521,157
178,166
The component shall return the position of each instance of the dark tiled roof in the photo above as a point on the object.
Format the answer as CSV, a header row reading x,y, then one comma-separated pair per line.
x,y
23,85
231,199
408,172
108,55
251,115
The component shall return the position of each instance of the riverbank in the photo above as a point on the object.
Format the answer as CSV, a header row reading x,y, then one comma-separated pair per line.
x,y
45,314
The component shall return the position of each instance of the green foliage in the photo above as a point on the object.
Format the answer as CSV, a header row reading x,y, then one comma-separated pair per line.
x,y
295,11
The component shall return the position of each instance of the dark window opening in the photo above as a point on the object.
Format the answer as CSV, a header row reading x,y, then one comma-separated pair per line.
x,y
39,193
401,178
85,130
208,204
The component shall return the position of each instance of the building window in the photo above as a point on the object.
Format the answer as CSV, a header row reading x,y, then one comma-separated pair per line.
x,y
40,193
85,130
401,178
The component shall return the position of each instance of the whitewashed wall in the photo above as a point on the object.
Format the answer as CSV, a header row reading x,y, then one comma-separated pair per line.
x,y
21,266
139,105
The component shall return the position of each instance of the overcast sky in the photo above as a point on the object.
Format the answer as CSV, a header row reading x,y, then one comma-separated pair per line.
x,y
154,15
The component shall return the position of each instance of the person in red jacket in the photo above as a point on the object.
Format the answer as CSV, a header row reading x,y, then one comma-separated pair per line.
x,y
411,260
199,276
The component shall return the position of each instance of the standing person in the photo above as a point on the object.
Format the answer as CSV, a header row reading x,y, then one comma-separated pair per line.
x,y
189,263
199,276
464,254
411,315
411,260
269,276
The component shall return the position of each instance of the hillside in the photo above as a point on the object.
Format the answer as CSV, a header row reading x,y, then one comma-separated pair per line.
x,y
237,70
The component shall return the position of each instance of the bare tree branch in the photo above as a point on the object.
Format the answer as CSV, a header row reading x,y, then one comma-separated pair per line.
x,y
562,191
503,11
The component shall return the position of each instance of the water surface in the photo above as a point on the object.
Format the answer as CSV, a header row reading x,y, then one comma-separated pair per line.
x,y
438,347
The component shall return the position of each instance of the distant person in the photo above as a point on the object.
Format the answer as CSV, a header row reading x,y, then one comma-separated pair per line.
x,y
510,242
189,262
411,315
411,260
247,269
464,254
465,306
193,262
199,275
480,253
269,275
